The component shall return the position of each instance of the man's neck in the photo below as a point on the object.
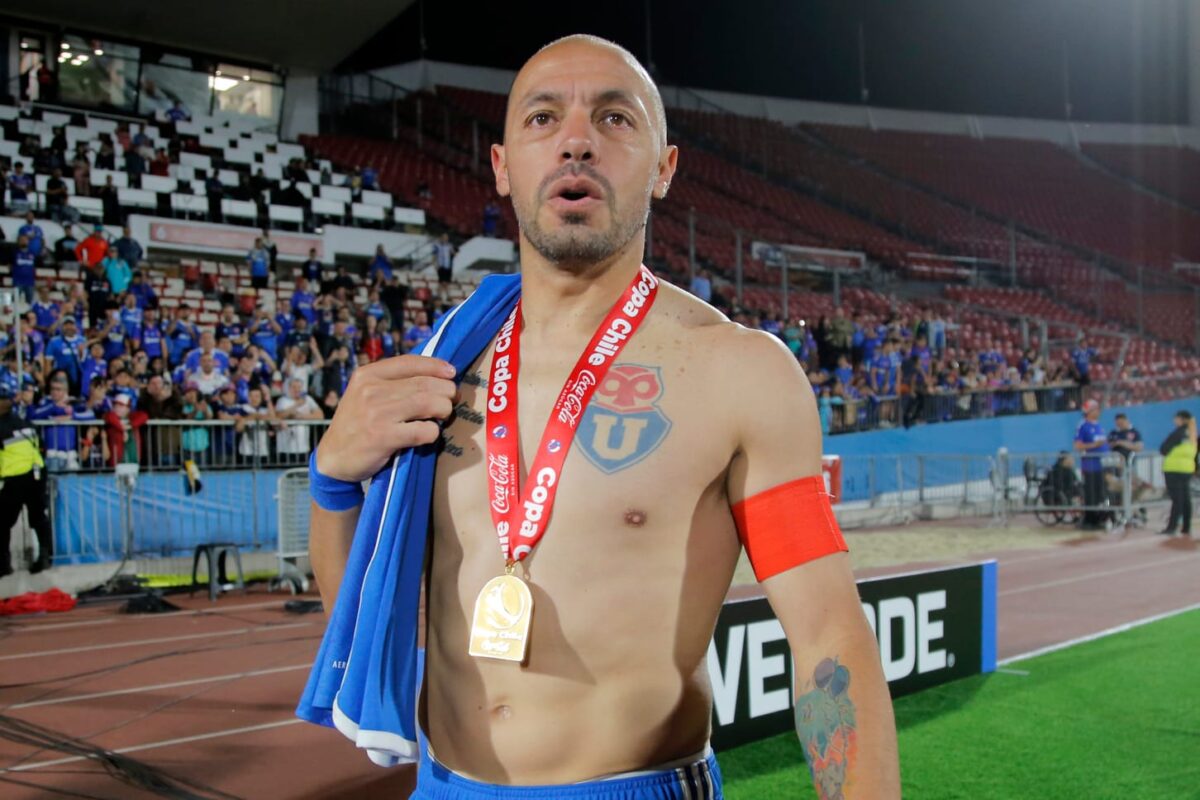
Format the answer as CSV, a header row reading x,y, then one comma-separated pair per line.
x,y
557,302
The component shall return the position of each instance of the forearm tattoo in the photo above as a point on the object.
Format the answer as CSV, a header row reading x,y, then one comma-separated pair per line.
x,y
826,725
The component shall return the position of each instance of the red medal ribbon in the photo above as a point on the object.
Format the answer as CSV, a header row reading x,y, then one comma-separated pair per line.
x,y
521,520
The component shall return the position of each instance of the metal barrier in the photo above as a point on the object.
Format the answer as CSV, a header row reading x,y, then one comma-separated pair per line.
x,y
258,498
83,446
1106,490
889,411
293,517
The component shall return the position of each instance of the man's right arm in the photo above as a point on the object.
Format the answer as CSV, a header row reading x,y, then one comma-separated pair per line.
x,y
389,406
330,535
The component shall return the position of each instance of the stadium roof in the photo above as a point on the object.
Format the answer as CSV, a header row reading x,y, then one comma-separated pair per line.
x,y
290,33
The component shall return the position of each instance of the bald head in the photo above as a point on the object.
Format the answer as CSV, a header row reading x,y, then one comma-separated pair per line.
x,y
585,150
577,43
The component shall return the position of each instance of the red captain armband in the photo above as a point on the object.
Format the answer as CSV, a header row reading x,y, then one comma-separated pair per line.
x,y
788,525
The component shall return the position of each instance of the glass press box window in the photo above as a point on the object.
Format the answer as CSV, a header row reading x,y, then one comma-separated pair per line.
x,y
99,73
250,97
172,79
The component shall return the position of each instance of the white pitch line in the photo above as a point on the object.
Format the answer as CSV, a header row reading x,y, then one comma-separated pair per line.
x,y
152,745
58,626
159,640
156,686
1128,626
1091,575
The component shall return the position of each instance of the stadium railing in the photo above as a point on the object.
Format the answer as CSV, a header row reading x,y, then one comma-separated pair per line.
x,y
889,411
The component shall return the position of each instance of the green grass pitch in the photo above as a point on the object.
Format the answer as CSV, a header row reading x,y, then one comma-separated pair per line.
x,y
1118,717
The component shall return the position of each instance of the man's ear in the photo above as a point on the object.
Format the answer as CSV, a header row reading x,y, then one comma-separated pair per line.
x,y
500,170
666,171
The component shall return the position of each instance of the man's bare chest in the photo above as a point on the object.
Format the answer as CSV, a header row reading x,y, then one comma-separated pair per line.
x,y
644,450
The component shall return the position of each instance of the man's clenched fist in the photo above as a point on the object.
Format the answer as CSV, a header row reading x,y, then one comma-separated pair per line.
x,y
389,406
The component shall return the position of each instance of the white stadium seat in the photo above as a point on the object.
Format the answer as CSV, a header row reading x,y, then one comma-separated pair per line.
x,y
189,204
137,198
329,208
290,214
409,216
100,176
373,198
239,209
337,193
88,207
239,155
366,213
196,160
157,183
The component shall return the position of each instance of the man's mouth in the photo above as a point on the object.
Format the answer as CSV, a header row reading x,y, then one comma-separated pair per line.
x,y
575,194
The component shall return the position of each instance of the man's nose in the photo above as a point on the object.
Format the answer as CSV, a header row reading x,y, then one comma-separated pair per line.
x,y
577,144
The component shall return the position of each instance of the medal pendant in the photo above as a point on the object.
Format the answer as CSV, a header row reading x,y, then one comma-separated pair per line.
x,y
500,625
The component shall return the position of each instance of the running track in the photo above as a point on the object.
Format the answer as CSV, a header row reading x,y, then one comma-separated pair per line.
x,y
207,694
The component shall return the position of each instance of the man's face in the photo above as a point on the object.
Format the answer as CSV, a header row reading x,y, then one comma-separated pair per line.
x,y
583,152
155,385
206,363
58,392
1123,424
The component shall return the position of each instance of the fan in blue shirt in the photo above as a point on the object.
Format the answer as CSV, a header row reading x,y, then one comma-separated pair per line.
x,y
45,309
152,334
1090,433
302,300
24,267
131,318
33,234
65,350
94,366
1082,357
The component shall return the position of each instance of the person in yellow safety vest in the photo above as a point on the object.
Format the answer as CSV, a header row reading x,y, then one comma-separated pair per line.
x,y
21,484
1179,464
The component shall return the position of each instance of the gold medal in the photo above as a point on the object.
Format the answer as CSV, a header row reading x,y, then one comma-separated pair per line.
x,y
500,625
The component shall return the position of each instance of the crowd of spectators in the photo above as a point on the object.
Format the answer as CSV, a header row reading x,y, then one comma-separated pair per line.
x,y
135,154
868,372
108,353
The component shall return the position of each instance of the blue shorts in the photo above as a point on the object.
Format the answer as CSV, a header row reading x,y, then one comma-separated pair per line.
x,y
699,780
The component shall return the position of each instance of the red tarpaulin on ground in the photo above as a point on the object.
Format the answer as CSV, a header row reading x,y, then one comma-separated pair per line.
x,y
37,602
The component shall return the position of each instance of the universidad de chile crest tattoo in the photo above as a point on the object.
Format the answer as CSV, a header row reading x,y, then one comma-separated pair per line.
x,y
623,423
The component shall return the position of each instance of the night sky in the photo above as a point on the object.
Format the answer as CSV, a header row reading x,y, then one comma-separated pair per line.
x,y
1126,57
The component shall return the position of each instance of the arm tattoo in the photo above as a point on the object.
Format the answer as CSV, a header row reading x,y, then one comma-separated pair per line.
x,y
475,379
825,723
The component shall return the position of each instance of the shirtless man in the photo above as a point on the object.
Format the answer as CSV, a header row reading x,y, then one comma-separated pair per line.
x,y
697,418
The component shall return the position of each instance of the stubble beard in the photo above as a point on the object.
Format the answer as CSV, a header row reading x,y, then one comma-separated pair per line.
x,y
576,246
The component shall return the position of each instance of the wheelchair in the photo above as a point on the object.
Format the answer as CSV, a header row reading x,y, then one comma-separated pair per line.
x,y
1048,501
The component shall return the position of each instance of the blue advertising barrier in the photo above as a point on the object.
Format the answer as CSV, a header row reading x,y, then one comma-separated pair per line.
x,y
1033,433
233,506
